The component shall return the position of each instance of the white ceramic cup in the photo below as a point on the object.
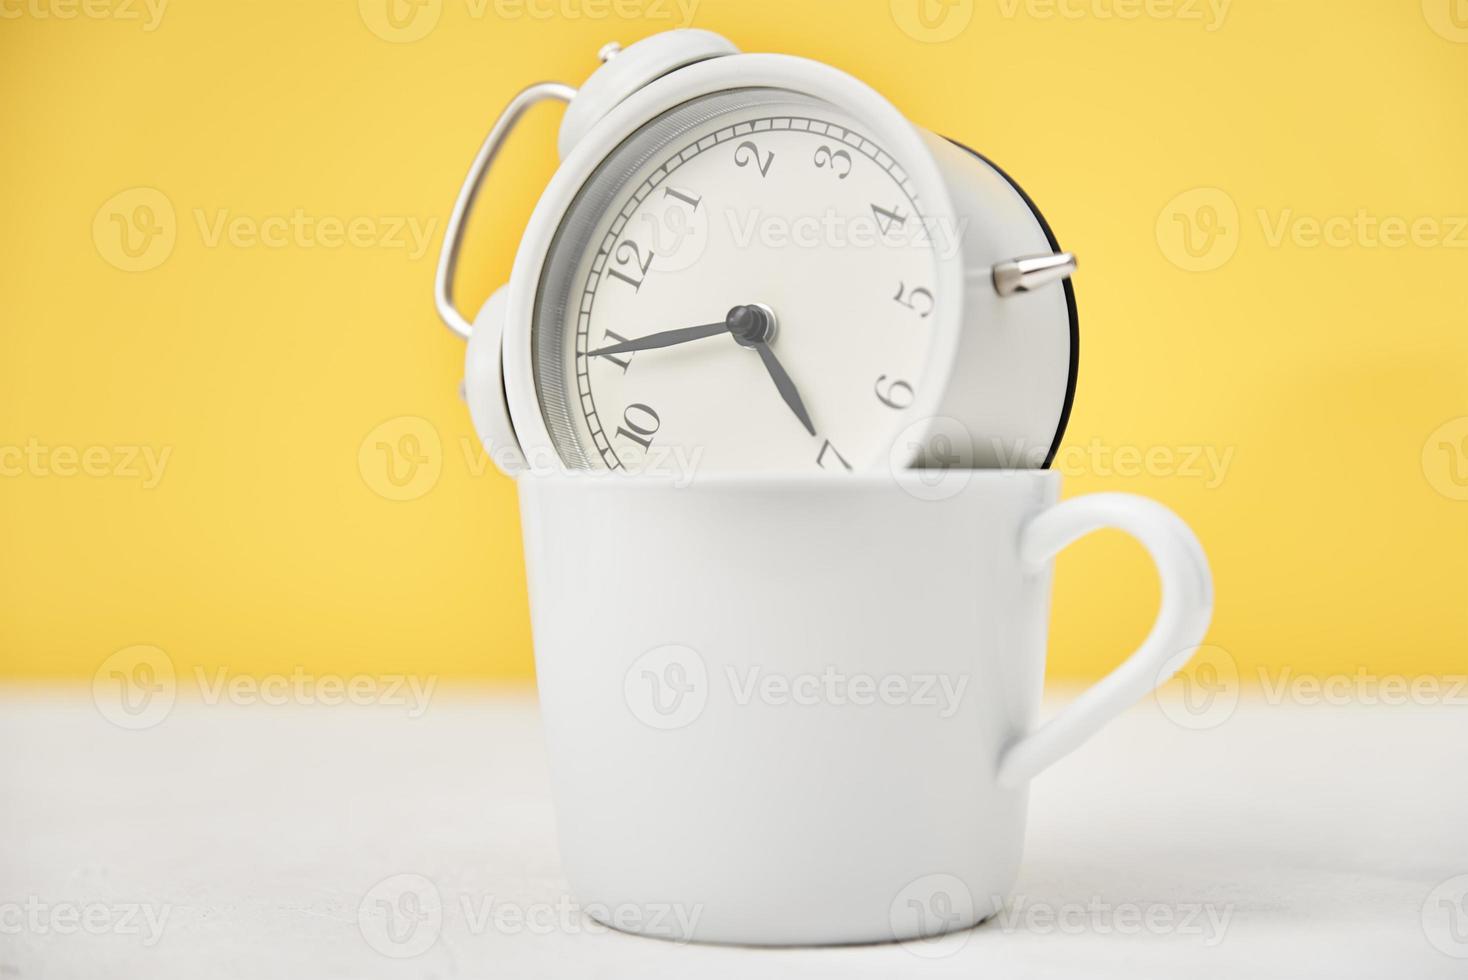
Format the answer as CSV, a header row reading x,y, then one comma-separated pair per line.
x,y
802,709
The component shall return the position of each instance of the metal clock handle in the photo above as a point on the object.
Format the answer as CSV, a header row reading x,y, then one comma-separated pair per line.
x,y
453,235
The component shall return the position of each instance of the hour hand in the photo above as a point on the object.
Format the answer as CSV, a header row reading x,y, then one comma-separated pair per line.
x,y
665,338
784,385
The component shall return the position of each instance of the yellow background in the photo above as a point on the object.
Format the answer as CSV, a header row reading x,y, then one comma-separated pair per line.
x,y
1324,373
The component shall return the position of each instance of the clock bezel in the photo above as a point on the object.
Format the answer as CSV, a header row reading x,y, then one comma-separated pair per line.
x,y
884,123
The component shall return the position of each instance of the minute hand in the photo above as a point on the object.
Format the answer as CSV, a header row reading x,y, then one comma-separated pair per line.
x,y
665,338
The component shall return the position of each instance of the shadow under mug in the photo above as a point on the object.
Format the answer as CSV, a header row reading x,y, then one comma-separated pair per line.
x,y
802,709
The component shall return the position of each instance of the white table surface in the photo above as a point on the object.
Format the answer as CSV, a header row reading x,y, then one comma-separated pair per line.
x,y
252,834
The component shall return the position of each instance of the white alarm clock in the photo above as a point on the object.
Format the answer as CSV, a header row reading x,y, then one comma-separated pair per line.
x,y
755,262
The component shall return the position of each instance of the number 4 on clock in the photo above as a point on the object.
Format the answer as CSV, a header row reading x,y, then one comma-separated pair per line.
x,y
887,220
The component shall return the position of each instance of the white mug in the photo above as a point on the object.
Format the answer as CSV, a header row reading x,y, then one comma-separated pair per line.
x,y
802,709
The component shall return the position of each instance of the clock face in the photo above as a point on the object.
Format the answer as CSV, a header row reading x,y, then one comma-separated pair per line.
x,y
747,282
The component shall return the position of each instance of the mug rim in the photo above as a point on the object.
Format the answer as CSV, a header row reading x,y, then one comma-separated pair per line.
x,y
779,479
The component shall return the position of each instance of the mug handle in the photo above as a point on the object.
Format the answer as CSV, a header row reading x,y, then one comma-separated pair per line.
x,y
1182,619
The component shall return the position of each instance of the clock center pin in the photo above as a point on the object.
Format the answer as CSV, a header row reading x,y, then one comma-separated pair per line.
x,y
752,324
